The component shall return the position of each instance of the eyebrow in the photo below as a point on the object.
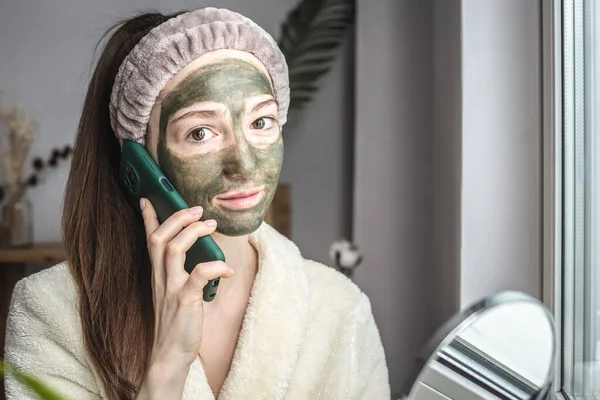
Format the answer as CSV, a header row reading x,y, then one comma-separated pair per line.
x,y
214,114
202,114
263,104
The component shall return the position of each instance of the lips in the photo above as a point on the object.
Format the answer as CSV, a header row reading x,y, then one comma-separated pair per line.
x,y
239,195
241,200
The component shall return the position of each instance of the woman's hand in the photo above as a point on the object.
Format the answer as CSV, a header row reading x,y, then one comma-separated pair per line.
x,y
177,298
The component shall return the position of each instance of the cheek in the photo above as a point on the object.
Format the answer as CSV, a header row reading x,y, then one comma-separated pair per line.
x,y
271,159
197,172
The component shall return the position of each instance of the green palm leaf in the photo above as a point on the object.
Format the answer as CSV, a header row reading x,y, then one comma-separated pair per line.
x,y
309,34
43,391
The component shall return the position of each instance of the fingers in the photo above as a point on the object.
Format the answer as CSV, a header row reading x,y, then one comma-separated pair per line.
x,y
187,237
158,271
149,215
166,231
168,242
192,290
175,250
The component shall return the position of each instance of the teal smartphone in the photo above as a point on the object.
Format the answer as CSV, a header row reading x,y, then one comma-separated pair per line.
x,y
139,177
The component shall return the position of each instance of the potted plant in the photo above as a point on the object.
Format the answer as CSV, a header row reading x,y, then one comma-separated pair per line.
x,y
17,134
309,35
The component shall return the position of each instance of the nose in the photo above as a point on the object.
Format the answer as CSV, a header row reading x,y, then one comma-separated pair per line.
x,y
241,161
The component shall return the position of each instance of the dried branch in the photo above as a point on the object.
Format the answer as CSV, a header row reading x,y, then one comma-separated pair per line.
x,y
15,141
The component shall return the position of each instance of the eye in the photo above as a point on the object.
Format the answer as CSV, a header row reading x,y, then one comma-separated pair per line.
x,y
263,123
199,134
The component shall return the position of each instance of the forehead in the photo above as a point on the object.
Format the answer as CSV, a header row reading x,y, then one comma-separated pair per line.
x,y
225,82
218,57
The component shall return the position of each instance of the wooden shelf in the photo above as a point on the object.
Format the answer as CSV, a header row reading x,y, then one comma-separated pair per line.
x,y
38,253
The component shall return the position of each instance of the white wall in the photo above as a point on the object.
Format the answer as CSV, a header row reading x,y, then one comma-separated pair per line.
x,y
393,171
47,50
448,143
447,158
501,148
318,161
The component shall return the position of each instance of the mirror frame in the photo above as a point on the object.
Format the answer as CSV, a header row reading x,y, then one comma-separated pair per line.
x,y
461,321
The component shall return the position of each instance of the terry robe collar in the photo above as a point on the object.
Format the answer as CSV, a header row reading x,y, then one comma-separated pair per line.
x,y
272,330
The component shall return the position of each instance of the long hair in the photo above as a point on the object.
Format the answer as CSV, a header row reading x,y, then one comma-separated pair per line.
x,y
104,236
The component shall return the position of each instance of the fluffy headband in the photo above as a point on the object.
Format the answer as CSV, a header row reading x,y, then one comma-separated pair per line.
x,y
174,44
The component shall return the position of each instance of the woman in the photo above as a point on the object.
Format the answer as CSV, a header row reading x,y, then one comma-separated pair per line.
x,y
207,93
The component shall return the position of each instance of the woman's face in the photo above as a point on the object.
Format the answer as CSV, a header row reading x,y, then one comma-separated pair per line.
x,y
214,133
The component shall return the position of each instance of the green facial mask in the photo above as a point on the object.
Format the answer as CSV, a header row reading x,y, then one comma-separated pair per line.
x,y
239,166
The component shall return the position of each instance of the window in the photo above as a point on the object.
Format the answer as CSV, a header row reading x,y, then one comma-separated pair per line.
x,y
577,211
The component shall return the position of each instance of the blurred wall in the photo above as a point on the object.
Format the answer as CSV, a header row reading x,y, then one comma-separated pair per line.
x,y
47,52
393,190
448,142
502,145
447,158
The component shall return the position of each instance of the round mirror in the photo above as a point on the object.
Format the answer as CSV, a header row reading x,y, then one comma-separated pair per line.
x,y
503,347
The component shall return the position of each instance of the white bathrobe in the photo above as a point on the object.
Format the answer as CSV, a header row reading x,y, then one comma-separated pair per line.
x,y
308,333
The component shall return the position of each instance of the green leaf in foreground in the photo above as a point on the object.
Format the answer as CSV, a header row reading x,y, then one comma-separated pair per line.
x,y
43,391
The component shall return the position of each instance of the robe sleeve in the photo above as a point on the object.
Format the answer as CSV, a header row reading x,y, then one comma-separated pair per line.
x,y
41,340
372,380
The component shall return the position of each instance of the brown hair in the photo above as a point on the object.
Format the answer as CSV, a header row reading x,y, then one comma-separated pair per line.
x,y
104,236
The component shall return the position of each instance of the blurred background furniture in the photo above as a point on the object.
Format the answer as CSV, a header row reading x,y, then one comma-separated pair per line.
x,y
13,267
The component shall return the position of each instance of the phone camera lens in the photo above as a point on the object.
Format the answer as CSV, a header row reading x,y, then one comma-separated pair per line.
x,y
215,282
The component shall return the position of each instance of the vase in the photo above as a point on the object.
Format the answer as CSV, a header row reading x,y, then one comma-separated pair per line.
x,y
16,222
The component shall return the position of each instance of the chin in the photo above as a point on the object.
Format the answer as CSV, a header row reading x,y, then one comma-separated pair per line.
x,y
238,228
242,223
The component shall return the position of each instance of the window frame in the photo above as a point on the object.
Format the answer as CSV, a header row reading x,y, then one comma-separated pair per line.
x,y
552,159
566,102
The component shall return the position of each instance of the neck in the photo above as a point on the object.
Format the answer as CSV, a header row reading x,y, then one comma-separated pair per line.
x,y
241,256
236,249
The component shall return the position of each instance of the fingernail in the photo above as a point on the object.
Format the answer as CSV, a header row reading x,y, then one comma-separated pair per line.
x,y
210,222
196,210
231,270
142,203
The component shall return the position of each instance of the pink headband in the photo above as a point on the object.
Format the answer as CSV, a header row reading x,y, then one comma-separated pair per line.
x,y
174,44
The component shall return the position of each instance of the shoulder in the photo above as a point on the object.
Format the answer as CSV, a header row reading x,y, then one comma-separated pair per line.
x,y
334,294
329,282
45,304
56,278
43,335
44,308
47,292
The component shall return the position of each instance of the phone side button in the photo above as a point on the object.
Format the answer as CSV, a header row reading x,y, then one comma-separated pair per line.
x,y
167,185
